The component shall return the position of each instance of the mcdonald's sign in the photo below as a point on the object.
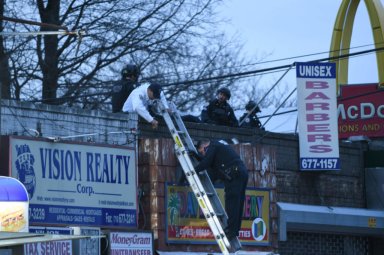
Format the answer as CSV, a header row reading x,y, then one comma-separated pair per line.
x,y
342,33
360,111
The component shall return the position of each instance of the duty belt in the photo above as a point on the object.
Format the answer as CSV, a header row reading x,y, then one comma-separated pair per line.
x,y
231,172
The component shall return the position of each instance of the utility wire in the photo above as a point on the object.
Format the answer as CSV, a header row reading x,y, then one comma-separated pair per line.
x,y
233,75
275,68
283,59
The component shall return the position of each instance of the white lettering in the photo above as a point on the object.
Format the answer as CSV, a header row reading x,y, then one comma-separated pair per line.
x,y
363,111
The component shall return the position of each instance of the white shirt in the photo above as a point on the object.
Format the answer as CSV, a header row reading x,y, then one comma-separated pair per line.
x,y
138,102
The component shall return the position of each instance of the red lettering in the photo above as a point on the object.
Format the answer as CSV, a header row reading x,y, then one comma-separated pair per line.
x,y
320,106
316,85
317,117
318,127
317,95
320,148
321,137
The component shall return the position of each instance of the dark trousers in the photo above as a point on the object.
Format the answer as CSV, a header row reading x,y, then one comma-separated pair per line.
x,y
234,201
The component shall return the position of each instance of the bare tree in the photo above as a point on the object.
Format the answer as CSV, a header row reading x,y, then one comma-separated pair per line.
x,y
5,78
150,33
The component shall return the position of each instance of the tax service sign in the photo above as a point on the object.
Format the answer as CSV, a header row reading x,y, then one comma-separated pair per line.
x,y
185,222
76,184
317,116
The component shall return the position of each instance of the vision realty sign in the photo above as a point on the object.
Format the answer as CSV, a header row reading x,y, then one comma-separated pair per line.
x,y
316,93
361,111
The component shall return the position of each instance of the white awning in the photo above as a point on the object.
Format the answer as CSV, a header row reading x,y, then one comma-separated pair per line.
x,y
299,217
20,238
211,253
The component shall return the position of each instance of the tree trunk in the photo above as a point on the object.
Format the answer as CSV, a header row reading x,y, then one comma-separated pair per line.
x,y
49,51
5,77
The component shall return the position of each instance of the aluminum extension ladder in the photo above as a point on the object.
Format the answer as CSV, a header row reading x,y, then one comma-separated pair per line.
x,y
201,184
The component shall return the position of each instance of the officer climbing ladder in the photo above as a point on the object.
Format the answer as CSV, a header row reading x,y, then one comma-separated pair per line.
x,y
200,183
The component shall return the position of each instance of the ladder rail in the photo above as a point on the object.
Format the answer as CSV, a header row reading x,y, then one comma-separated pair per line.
x,y
182,128
207,184
194,180
209,202
204,202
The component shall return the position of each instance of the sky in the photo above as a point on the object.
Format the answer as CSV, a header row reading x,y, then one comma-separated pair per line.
x,y
278,29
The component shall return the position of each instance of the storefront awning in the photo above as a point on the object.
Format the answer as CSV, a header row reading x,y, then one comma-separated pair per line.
x,y
212,253
19,238
299,217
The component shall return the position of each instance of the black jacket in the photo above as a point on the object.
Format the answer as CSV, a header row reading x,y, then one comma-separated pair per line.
x,y
218,158
252,121
120,93
219,113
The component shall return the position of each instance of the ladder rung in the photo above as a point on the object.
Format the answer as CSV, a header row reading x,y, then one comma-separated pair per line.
x,y
200,183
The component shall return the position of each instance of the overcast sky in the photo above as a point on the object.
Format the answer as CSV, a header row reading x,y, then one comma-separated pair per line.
x,y
281,29
289,28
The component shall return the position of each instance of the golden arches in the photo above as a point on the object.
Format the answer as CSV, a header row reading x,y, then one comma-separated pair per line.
x,y
342,33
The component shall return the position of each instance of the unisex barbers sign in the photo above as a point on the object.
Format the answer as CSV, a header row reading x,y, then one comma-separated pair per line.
x,y
317,114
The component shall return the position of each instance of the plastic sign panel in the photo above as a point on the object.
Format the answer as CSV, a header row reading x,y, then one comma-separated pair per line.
x,y
88,245
51,247
76,184
13,205
186,223
361,111
131,243
317,115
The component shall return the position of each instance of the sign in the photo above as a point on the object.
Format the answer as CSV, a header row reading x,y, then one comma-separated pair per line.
x,y
13,205
89,245
131,243
361,111
186,222
317,115
76,184
53,247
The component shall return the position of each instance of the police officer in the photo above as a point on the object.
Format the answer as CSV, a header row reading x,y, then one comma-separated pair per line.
x,y
250,119
142,98
218,111
121,90
225,163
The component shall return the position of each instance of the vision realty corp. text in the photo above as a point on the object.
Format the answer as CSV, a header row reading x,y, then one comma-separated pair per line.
x,y
59,164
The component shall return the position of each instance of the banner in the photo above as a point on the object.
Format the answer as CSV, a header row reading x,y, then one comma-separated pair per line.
x,y
76,184
51,247
361,111
317,116
88,245
140,243
186,222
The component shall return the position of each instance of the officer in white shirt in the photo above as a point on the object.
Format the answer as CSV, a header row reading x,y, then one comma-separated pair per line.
x,y
143,96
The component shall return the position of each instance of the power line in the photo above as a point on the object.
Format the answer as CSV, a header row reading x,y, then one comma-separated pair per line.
x,y
275,68
287,58
233,75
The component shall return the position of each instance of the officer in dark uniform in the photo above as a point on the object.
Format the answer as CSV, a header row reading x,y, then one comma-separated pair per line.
x,y
222,161
218,111
121,90
250,119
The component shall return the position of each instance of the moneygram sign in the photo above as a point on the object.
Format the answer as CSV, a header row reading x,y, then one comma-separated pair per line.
x,y
361,111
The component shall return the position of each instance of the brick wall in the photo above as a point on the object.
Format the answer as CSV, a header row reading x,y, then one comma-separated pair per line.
x,y
156,163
